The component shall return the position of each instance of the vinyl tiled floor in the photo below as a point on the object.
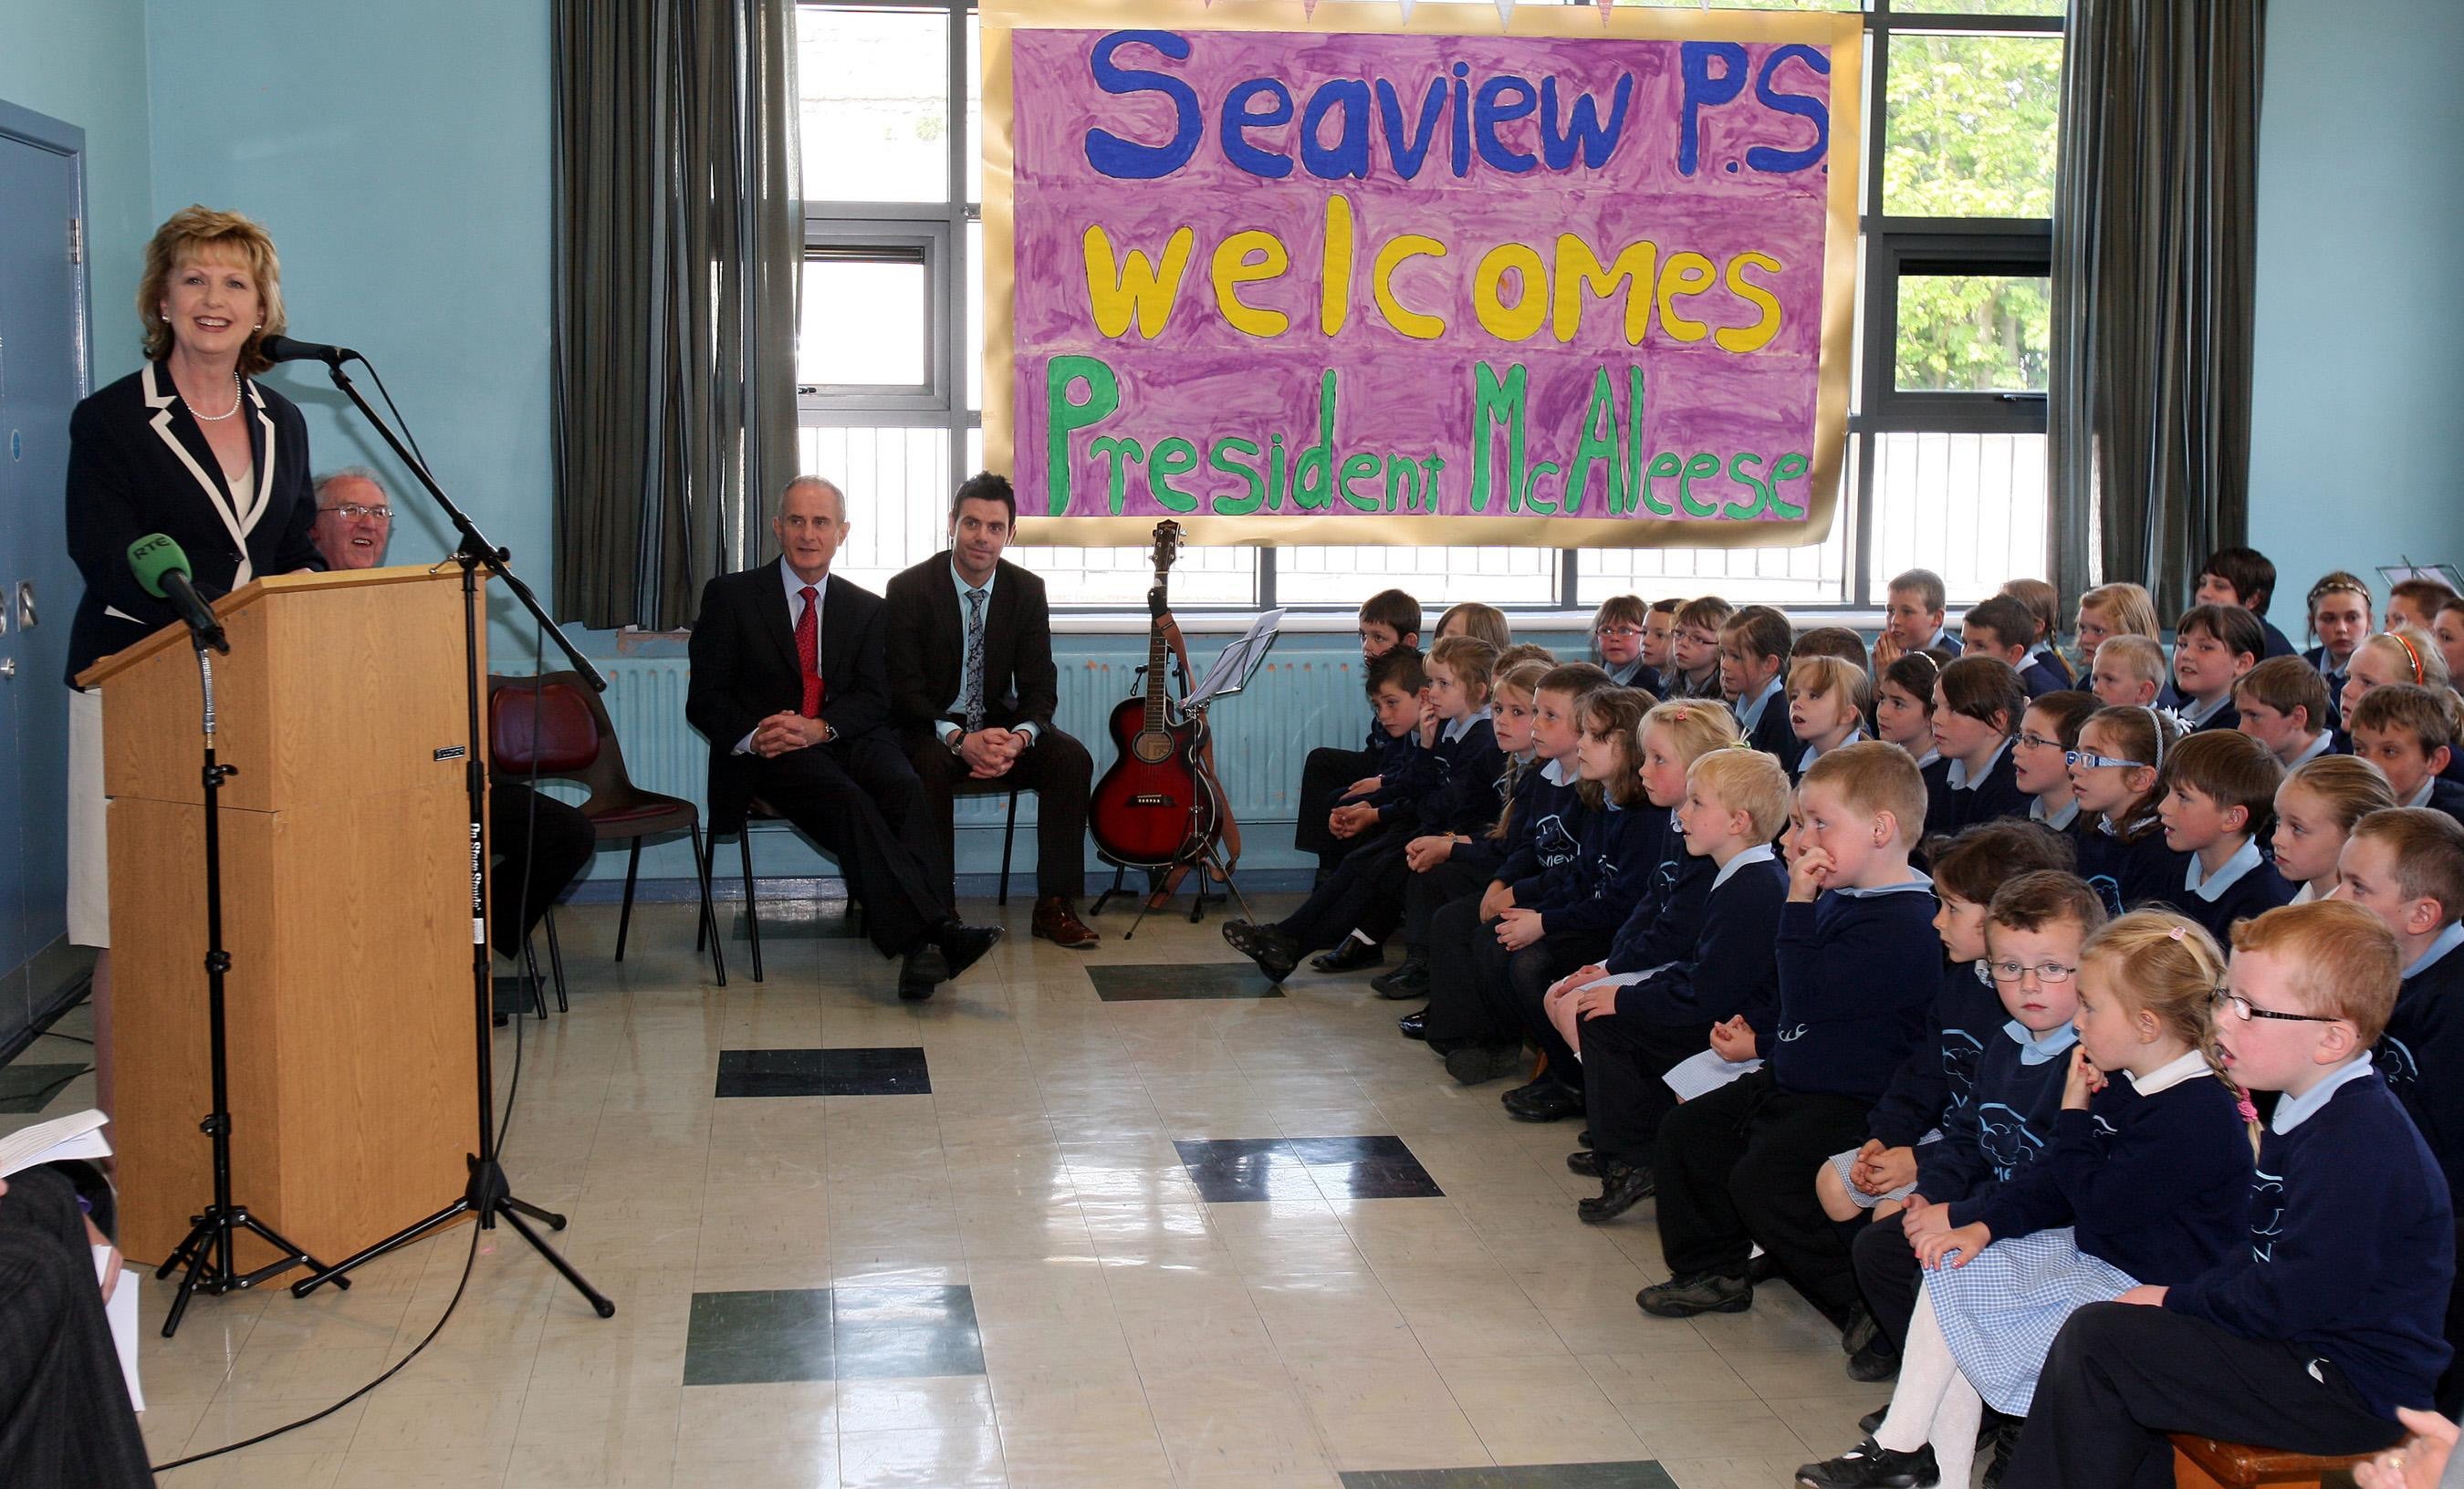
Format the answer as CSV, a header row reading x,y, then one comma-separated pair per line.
x,y
1114,1246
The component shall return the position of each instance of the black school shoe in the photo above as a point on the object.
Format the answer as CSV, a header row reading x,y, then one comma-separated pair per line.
x,y
1413,1025
1869,1465
1408,981
1876,1360
1275,953
1696,1293
1583,1161
2005,1431
1554,1102
1350,956
1622,1187
1472,1065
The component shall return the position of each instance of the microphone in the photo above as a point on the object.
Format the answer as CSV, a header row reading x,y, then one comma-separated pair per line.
x,y
282,348
164,570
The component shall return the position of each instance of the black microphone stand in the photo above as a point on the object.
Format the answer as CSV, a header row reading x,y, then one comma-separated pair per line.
x,y
207,1249
489,1197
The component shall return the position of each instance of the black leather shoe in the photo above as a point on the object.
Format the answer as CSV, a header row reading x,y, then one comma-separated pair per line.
x,y
1352,955
1413,1025
922,970
1878,1361
1407,981
962,946
1526,1091
1271,948
1583,1162
1622,1187
1554,1103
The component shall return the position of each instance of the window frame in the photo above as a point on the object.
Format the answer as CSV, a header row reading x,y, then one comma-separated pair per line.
x,y
1890,249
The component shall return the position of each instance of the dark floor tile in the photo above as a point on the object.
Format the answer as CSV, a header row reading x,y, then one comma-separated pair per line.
x,y
1167,982
757,1338
822,1072
26,1087
1638,1475
1231,1170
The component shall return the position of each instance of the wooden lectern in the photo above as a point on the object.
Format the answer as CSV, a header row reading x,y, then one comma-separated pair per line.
x,y
346,910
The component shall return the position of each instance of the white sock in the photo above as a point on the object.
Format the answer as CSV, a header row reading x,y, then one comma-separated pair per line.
x,y
1934,1402
1363,939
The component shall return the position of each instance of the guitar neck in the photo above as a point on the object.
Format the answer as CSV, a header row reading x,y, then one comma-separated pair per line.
x,y
1156,655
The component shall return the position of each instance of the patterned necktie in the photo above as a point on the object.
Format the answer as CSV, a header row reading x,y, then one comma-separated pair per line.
x,y
971,697
808,650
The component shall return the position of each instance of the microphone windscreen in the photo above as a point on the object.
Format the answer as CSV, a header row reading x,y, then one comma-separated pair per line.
x,y
154,556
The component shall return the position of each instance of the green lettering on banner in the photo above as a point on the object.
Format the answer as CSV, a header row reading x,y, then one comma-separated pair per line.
x,y
1745,508
1173,456
1663,466
1119,454
1787,467
1402,484
1317,458
1699,466
1236,506
1599,447
1360,468
1492,399
1064,416
1530,499
1633,452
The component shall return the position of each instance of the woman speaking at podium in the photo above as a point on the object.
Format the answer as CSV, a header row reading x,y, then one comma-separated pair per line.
x,y
191,446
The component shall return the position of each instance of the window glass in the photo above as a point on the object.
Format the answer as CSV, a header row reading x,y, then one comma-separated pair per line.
x,y
1972,126
863,324
1970,507
1973,333
875,114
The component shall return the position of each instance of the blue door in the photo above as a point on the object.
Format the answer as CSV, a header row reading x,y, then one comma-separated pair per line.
x,y
43,373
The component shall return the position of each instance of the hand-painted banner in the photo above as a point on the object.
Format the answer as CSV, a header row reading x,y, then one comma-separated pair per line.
x,y
1582,278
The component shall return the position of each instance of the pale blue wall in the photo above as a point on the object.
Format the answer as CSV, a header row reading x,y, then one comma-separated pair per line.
x,y
2357,442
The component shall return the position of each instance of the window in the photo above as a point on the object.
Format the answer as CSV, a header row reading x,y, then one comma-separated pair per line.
x,y
1945,464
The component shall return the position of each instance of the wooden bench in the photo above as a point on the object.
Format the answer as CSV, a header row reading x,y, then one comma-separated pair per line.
x,y
2204,1463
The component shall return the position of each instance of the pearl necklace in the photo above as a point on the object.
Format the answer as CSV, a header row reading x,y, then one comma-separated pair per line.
x,y
207,418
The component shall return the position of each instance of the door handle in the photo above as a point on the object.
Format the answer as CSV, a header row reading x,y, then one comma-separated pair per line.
x,y
26,621
8,668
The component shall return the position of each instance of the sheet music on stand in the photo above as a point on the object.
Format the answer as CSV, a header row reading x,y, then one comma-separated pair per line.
x,y
1237,662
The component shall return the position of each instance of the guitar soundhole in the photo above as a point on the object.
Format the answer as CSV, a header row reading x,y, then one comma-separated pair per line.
x,y
1152,747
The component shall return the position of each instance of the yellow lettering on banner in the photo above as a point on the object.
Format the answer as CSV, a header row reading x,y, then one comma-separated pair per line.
x,y
1334,289
1686,275
1122,287
1579,269
1235,266
1381,286
1754,338
1521,320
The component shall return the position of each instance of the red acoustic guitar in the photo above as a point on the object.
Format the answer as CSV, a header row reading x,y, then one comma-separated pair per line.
x,y
1153,808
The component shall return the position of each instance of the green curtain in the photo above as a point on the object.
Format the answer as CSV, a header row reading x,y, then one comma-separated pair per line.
x,y
678,252
2155,226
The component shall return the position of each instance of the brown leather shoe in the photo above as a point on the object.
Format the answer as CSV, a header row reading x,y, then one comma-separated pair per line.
x,y
1057,922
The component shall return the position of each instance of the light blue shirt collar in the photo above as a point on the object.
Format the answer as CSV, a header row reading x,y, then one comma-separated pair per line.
x,y
1904,887
1759,853
796,593
2194,713
958,582
2211,887
1805,761
2291,1110
1624,676
2034,1049
1457,727
2059,822
1750,713
2422,796
1558,772
2448,940
2039,653
1929,757
1959,780
2318,746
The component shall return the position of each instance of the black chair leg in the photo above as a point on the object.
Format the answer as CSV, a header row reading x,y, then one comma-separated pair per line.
x,y
556,963
1009,838
708,917
531,979
624,916
752,905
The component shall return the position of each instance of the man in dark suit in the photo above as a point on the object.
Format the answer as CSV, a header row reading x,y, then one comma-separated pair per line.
x,y
788,687
972,688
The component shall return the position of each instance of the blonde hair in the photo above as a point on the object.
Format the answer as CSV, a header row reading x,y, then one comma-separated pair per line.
x,y
2347,962
1486,623
1470,659
2350,788
1821,675
1874,778
1745,780
1523,651
1695,725
197,232
2411,651
2168,965
2429,849
1524,677
2141,657
2128,610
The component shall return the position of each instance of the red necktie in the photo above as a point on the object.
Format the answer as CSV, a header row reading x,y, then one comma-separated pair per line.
x,y
808,651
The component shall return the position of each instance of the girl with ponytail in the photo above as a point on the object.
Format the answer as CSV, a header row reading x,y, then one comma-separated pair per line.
x,y
2147,1182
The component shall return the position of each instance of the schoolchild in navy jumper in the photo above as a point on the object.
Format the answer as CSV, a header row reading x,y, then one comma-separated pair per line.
x,y
1548,821
2040,754
1977,702
2406,865
1664,922
1574,916
1858,970
2044,606
2282,704
1387,619
1621,634
1904,716
1937,1081
2408,732
1754,645
1827,702
2002,628
2310,1336
1450,788
2245,578
2317,808
1634,1017
2212,646
1913,619
1446,867
2220,805
2339,618
2117,773
1693,670
2146,1180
